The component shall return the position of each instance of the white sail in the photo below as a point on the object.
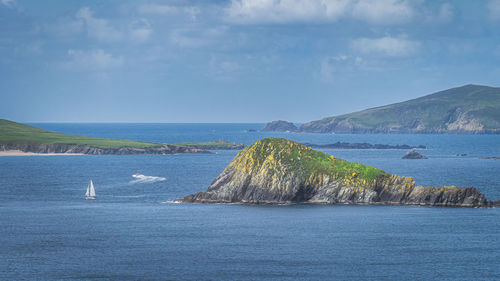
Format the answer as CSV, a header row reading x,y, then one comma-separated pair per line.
x,y
90,193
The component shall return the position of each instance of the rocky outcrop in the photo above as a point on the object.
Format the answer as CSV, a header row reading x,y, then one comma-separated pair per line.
x,y
413,154
85,149
363,145
490,157
280,126
221,144
279,171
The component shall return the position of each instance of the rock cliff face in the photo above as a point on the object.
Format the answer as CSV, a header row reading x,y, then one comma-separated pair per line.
x,y
85,149
278,171
280,126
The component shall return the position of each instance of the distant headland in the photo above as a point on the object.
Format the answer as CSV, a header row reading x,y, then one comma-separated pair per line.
x,y
280,171
470,109
21,139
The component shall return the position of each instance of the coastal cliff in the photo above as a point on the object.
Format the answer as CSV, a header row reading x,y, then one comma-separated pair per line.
x,y
92,150
470,109
20,137
278,171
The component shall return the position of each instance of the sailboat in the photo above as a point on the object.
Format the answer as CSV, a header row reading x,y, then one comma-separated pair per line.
x,y
90,193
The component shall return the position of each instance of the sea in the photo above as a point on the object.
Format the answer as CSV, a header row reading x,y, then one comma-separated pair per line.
x,y
134,231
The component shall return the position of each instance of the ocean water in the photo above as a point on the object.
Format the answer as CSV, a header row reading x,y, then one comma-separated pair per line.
x,y
133,231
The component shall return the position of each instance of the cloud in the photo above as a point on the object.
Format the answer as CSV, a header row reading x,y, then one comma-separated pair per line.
x,y
197,37
333,66
159,9
98,28
93,60
494,7
383,11
441,14
224,66
386,46
289,11
8,3
65,27
446,12
284,11
140,31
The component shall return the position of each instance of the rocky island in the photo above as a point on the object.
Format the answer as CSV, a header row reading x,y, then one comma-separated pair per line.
x,y
413,154
21,138
362,145
221,144
280,126
280,171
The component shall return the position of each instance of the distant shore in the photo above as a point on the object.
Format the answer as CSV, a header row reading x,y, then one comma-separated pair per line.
x,y
22,153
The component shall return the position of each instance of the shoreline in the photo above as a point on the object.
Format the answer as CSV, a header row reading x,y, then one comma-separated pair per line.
x,y
22,153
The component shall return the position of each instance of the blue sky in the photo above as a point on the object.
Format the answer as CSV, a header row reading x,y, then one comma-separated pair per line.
x,y
236,61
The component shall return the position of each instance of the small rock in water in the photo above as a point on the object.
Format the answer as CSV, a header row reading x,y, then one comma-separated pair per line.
x,y
413,154
490,157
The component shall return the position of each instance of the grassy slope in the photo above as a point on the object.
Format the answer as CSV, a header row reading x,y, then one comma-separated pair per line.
x,y
12,132
273,152
482,101
221,144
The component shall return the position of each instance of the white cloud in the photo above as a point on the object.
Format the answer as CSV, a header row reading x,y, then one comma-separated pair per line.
x,y
197,37
441,14
65,27
283,11
140,31
93,60
161,9
98,28
224,69
286,11
494,7
8,3
446,12
157,9
333,67
383,11
386,46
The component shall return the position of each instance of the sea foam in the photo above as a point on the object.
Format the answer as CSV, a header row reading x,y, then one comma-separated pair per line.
x,y
146,179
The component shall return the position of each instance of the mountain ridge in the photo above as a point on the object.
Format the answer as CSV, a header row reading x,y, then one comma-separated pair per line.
x,y
468,109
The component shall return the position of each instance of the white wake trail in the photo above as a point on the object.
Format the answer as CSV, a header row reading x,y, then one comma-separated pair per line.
x,y
146,179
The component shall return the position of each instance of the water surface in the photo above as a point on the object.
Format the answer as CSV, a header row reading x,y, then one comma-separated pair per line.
x,y
48,230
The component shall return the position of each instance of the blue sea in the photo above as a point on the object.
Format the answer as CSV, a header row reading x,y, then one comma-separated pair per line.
x,y
133,231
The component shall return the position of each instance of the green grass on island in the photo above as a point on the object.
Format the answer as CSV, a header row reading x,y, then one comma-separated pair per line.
x,y
473,107
481,101
12,132
304,161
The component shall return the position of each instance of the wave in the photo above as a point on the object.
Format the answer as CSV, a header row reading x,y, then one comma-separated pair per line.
x,y
171,202
146,179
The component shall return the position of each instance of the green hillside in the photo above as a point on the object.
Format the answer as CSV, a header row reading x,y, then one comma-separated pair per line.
x,y
12,132
466,109
270,155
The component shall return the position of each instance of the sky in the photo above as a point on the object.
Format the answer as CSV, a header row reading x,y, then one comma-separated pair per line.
x,y
236,61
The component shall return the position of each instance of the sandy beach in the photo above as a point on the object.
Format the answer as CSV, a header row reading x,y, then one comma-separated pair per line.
x,y
22,153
